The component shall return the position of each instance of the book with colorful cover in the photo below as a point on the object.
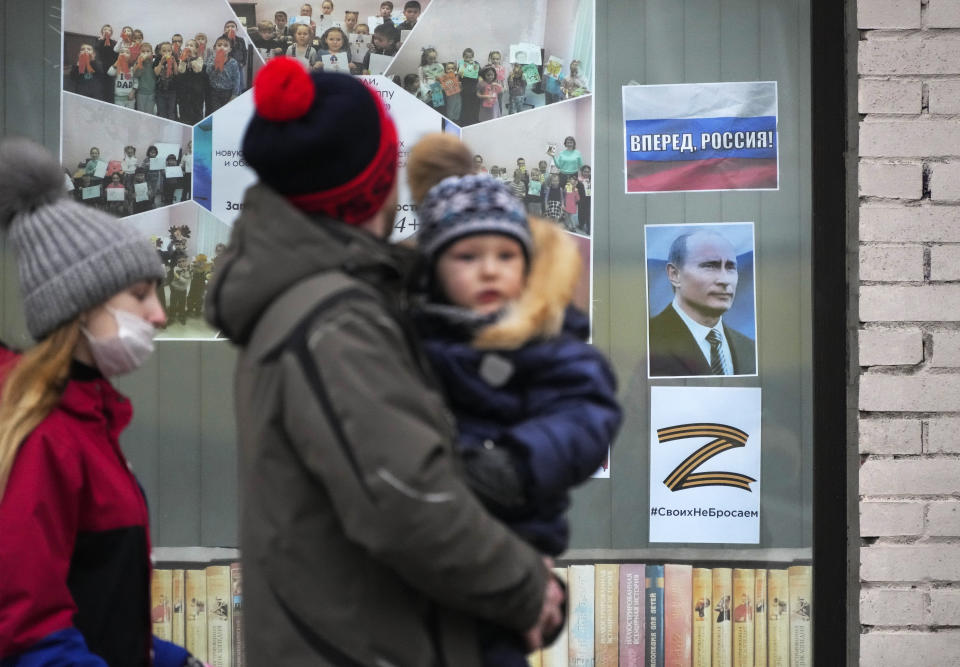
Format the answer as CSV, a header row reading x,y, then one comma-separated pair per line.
x,y
557,654
606,626
236,613
743,589
800,583
581,589
778,619
632,614
161,607
195,585
653,612
722,631
702,615
178,632
219,602
677,615
760,618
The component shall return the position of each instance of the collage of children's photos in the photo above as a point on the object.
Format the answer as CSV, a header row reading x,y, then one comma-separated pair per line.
x,y
156,101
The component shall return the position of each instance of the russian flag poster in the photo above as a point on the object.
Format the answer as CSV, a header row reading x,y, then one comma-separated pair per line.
x,y
701,136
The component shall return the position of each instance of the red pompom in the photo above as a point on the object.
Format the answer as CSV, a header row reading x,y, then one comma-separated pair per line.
x,y
283,90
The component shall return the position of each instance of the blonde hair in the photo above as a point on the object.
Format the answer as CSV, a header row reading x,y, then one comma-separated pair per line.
x,y
32,389
434,158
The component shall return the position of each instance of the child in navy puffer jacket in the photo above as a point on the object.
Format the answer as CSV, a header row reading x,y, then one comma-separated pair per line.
x,y
535,404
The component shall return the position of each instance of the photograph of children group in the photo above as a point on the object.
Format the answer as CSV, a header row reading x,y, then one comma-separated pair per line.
x,y
474,63
190,242
121,166
545,158
349,36
177,59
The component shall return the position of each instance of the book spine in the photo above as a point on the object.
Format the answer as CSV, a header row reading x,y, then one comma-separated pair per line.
x,y
236,588
606,639
196,598
702,615
178,631
161,608
722,633
557,654
632,615
677,615
760,619
582,590
218,616
799,578
778,619
654,615
743,589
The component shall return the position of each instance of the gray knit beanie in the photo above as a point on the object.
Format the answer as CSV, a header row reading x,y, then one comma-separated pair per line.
x,y
460,206
71,257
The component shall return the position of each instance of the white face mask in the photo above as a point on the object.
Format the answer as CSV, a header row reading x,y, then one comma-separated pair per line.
x,y
128,349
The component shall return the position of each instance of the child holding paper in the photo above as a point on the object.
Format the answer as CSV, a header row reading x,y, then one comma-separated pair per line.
x,y
430,71
469,71
573,84
385,42
553,198
534,198
266,40
334,53
571,201
552,75
450,83
142,192
154,176
172,182
495,60
115,196
489,93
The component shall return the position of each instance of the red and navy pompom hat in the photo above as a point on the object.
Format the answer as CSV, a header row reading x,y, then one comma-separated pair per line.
x,y
324,141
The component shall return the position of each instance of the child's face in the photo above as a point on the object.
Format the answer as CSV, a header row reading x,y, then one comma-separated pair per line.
x,y
334,40
152,151
350,21
362,29
542,165
327,7
489,75
189,146
381,41
306,10
131,151
139,177
302,35
182,262
483,273
413,85
222,45
554,179
521,163
201,39
146,48
127,33
265,32
95,153
495,58
430,56
86,48
115,178
125,52
192,45
137,36
468,56
534,173
171,161
450,68
411,14
177,39
585,172
229,25
385,10
280,19
166,50
106,31
574,69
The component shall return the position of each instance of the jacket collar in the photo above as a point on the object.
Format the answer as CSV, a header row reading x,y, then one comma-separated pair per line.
x,y
88,396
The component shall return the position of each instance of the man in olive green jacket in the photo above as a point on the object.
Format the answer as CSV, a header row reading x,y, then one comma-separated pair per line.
x,y
360,543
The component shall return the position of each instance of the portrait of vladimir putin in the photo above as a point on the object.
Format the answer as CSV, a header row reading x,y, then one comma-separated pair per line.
x,y
689,336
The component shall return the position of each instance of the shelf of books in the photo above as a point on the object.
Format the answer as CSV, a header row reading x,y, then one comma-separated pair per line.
x,y
631,614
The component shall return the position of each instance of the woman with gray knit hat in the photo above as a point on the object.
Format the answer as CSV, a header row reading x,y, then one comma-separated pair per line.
x,y
74,537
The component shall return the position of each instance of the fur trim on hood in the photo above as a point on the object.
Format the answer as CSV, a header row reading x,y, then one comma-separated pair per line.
x,y
539,311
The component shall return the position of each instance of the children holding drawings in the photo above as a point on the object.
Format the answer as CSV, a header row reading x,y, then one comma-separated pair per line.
x,y
535,405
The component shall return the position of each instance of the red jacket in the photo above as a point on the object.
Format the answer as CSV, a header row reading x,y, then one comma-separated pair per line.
x,y
74,537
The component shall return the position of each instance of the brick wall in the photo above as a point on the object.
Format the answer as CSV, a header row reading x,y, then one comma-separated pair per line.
x,y
909,340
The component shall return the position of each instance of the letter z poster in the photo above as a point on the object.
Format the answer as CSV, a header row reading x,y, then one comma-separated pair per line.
x,y
701,137
705,465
